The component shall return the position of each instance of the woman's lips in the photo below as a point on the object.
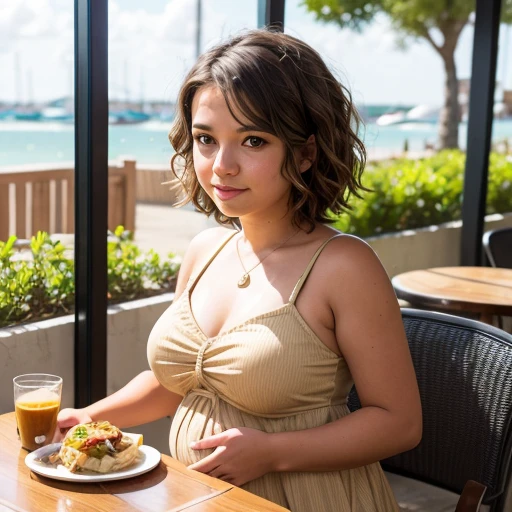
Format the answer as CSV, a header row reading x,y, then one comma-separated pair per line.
x,y
226,193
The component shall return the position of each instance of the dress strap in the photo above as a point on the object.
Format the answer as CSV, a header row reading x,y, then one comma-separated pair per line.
x,y
195,279
305,274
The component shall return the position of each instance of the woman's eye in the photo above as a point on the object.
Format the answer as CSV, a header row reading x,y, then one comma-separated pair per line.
x,y
254,142
204,139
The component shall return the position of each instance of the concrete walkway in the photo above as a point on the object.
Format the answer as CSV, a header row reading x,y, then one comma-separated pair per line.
x,y
166,229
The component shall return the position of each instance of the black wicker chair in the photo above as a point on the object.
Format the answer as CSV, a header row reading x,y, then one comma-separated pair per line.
x,y
498,247
464,372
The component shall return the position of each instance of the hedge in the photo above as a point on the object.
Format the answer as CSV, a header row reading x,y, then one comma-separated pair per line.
x,y
410,194
43,285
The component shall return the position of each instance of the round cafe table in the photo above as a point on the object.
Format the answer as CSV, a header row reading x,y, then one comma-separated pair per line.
x,y
483,291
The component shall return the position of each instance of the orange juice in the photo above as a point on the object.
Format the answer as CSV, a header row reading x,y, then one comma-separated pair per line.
x,y
36,415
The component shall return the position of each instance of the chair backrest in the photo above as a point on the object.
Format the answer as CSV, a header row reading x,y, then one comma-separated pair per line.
x,y
464,372
498,247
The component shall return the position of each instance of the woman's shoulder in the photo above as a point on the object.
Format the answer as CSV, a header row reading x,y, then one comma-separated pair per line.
x,y
347,245
348,271
348,258
338,245
208,240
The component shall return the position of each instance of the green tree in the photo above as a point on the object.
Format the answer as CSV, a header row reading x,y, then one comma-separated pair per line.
x,y
416,19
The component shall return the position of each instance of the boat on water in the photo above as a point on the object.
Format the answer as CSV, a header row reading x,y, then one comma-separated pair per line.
x,y
423,114
127,117
65,115
31,115
60,110
59,114
391,118
20,114
418,114
7,114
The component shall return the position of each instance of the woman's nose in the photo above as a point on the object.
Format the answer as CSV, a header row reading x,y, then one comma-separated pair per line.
x,y
225,162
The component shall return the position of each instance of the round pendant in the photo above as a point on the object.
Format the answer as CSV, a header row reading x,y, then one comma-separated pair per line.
x,y
245,281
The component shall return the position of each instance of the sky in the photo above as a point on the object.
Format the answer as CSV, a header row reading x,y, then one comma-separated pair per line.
x,y
152,47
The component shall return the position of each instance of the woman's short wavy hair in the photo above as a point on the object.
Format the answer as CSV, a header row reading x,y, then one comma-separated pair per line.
x,y
281,85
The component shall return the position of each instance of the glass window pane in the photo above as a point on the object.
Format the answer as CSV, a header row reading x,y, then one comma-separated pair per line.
x,y
499,193
37,191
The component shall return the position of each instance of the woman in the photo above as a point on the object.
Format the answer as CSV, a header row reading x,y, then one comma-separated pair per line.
x,y
274,321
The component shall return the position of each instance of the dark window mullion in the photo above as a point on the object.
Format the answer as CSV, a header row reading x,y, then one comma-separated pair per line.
x,y
271,12
91,199
483,78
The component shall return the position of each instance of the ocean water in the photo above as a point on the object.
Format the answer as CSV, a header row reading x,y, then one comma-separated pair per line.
x,y
37,143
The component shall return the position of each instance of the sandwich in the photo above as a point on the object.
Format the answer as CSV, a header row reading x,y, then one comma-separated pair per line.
x,y
97,446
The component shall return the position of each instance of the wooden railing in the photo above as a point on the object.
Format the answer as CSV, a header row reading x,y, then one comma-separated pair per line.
x,y
37,198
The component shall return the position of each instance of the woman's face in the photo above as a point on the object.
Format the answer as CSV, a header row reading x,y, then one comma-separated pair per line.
x,y
237,165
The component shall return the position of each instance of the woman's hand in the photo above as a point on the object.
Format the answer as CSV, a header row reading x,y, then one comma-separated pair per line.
x,y
68,418
240,455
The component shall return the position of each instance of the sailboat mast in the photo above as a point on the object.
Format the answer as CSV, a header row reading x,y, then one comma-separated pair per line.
x,y
198,27
125,77
30,89
17,79
141,85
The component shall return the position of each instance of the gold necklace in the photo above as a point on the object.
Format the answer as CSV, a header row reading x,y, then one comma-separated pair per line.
x,y
245,280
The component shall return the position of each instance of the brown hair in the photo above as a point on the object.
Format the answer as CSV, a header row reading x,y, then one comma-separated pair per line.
x,y
281,85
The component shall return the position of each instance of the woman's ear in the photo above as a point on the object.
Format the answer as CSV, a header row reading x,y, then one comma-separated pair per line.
x,y
307,154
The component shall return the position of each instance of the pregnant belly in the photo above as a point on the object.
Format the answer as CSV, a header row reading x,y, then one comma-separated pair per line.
x,y
196,418
202,414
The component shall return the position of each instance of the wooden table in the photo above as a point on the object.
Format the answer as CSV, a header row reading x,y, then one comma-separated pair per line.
x,y
484,291
170,487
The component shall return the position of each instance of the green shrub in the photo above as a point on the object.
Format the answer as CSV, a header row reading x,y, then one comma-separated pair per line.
x,y
43,285
410,194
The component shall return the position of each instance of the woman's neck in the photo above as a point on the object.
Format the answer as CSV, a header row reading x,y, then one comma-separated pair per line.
x,y
261,234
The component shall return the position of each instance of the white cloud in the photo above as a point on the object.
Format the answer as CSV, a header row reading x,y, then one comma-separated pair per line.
x,y
23,19
152,45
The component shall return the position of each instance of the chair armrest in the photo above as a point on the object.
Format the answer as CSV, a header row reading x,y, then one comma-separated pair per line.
x,y
471,497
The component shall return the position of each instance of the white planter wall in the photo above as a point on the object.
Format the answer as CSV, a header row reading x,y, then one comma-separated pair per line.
x,y
435,246
47,347
128,328
39,347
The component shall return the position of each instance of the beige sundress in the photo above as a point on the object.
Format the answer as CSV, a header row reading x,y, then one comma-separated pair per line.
x,y
270,373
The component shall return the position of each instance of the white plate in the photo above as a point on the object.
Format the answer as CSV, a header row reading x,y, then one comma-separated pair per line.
x,y
150,459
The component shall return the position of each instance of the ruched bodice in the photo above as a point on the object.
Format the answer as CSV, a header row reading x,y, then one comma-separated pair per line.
x,y
272,373
248,366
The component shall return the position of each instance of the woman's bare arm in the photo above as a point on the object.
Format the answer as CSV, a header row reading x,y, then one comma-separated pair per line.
x,y
371,337
142,400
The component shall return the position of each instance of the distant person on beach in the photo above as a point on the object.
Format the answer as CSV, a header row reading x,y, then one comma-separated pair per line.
x,y
276,314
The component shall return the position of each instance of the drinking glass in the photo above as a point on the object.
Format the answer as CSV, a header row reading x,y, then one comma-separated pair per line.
x,y
36,402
